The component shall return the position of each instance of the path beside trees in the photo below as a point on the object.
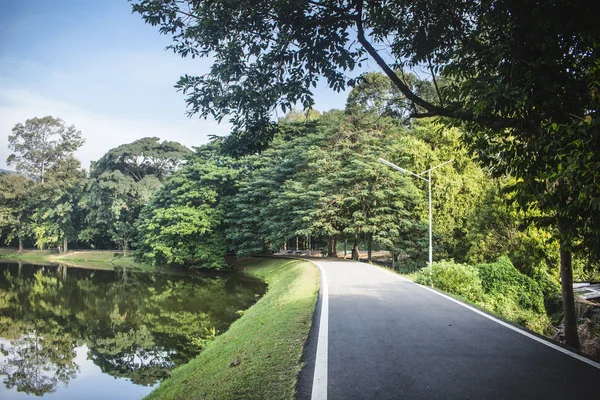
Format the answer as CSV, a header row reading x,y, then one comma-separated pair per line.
x,y
389,338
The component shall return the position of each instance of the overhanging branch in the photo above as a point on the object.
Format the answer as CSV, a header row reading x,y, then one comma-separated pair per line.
x,y
432,109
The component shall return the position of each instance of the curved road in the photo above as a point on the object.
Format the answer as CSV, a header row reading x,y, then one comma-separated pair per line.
x,y
388,338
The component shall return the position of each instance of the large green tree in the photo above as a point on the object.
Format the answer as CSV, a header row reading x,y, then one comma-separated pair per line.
x,y
146,156
113,202
182,224
55,205
15,205
522,77
40,144
121,183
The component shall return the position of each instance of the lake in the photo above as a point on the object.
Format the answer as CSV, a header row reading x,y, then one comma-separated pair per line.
x,y
73,333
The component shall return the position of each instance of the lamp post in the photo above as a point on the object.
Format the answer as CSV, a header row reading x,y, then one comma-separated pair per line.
x,y
428,180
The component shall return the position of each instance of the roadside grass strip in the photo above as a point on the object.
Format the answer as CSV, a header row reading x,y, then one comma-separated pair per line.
x,y
259,356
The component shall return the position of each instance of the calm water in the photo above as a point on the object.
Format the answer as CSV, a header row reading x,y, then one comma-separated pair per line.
x,y
72,333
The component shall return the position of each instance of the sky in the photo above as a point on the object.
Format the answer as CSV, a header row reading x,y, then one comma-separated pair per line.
x,y
101,68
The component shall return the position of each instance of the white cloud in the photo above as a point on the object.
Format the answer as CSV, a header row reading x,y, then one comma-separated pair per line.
x,y
102,132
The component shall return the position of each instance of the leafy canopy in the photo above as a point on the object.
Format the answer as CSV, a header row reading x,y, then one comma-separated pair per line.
x,y
146,156
40,144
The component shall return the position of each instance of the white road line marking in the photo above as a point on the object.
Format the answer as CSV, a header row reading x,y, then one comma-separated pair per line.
x,y
319,388
509,326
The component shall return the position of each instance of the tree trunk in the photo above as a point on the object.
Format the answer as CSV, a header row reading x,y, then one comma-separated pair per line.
x,y
369,242
355,250
393,260
331,247
124,248
65,246
20,245
285,245
568,297
296,243
345,243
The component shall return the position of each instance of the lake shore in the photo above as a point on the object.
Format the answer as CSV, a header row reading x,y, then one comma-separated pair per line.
x,y
95,259
258,357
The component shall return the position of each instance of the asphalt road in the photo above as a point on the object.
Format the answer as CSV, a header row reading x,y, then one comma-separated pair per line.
x,y
388,338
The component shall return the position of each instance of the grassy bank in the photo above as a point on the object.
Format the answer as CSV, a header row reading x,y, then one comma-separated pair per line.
x,y
259,356
96,259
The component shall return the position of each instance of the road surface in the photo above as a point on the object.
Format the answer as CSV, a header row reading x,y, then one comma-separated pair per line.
x,y
388,338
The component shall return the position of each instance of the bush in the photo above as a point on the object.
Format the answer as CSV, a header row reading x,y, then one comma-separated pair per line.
x,y
501,278
460,279
498,287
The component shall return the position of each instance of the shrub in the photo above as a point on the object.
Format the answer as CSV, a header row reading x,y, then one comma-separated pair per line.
x,y
501,278
498,287
460,279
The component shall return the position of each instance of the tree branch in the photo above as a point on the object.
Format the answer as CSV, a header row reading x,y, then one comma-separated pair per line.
x,y
339,10
437,89
432,110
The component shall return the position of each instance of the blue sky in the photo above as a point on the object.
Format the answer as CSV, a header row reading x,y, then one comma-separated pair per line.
x,y
101,68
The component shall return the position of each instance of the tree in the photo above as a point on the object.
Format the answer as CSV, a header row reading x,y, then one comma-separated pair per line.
x,y
14,202
121,183
522,79
113,202
146,156
55,204
40,144
182,225
323,180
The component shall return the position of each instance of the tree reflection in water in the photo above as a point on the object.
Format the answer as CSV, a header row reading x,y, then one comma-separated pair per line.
x,y
136,325
35,363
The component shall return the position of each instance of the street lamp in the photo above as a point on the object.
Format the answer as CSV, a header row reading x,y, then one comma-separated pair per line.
x,y
428,180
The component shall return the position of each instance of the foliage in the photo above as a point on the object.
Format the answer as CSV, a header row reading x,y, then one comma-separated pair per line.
x,y
40,144
113,202
121,183
457,188
143,157
267,341
459,279
182,223
323,179
54,214
14,206
375,94
502,278
43,209
497,287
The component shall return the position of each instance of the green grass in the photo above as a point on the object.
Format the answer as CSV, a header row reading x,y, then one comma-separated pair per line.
x,y
267,340
95,259
92,258
26,255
